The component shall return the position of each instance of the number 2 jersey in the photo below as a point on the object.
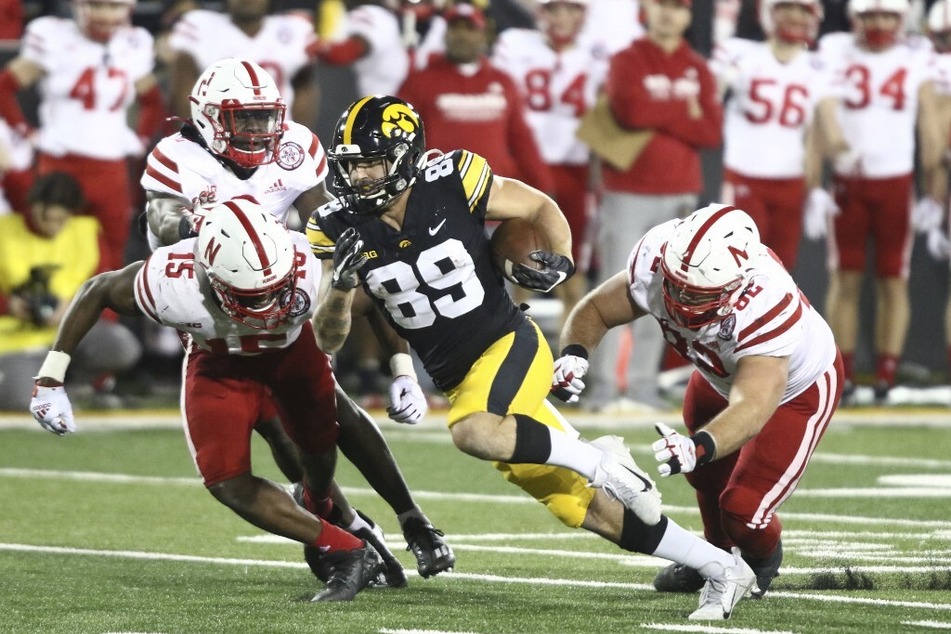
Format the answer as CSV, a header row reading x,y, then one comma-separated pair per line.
x,y
771,319
434,280
170,291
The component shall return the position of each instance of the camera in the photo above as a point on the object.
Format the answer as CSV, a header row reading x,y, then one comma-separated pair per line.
x,y
36,293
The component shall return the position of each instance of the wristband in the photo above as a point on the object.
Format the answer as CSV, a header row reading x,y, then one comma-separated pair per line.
x,y
401,364
54,367
706,447
575,350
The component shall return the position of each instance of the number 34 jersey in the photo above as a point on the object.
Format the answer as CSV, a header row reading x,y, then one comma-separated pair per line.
x,y
171,292
771,319
434,279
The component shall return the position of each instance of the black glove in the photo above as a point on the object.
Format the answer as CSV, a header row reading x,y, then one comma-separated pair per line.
x,y
557,269
349,258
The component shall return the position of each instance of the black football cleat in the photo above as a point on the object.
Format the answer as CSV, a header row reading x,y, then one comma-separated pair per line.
x,y
678,578
393,575
433,554
350,572
766,570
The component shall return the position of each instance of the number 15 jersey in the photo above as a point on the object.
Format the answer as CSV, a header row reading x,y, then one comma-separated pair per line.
x,y
433,280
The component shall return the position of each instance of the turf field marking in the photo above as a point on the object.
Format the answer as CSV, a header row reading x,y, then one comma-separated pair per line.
x,y
932,624
389,631
453,576
708,629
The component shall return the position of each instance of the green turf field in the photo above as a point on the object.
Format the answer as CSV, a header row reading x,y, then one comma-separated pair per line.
x,y
110,531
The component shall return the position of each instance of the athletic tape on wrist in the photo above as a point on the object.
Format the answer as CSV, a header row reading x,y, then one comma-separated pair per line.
x,y
54,366
575,350
401,364
706,447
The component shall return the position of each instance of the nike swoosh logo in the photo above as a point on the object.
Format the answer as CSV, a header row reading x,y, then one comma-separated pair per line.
x,y
647,483
434,230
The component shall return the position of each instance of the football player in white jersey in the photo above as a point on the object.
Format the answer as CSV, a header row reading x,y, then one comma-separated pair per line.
x,y
90,71
886,84
778,94
559,75
370,39
768,374
237,143
241,295
937,224
278,43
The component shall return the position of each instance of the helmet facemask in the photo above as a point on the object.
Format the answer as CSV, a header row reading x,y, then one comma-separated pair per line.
x,y
262,308
100,19
781,19
247,134
694,307
374,195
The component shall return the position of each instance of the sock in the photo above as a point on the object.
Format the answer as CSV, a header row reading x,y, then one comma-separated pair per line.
x,y
358,523
683,547
413,512
886,368
536,443
638,537
848,365
333,539
321,506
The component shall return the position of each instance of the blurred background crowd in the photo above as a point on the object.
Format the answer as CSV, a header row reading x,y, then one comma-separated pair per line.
x,y
827,120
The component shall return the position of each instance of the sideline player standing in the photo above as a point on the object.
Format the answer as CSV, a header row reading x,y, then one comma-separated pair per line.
x,y
242,294
90,72
428,269
768,374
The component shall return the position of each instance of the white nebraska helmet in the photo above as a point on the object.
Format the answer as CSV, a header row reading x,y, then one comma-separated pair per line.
x,y
249,259
939,25
707,264
791,32
878,38
239,112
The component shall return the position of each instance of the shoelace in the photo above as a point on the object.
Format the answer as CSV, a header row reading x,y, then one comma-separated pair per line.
x,y
430,533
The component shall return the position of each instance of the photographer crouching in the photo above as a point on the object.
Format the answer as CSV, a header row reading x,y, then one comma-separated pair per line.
x,y
45,256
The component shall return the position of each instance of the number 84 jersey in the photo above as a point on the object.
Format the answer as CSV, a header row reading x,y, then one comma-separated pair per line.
x,y
771,319
434,279
170,291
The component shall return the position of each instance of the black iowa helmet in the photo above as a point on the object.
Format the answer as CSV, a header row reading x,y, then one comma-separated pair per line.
x,y
377,127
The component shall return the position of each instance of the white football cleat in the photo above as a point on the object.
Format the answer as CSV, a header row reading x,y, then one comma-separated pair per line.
x,y
623,480
724,590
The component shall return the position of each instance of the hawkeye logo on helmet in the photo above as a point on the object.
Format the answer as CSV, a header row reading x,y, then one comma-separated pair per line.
x,y
399,121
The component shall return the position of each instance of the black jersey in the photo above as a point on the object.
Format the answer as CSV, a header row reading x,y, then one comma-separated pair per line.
x,y
434,280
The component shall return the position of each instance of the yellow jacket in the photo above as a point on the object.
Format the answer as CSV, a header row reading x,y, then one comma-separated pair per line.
x,y
75,249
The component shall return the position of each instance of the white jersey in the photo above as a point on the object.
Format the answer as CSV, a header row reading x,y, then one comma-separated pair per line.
x,y
280,47
87,87
170,292
879,94
183,168
772,319
770,107
558,88
386,64
942,74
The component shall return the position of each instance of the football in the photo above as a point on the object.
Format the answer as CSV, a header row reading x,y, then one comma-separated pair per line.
x,y
513,241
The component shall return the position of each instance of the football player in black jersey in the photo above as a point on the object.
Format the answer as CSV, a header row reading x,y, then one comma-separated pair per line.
x,y
409,225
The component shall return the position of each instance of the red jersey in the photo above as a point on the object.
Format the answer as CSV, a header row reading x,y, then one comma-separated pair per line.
x,y
481,111
648,88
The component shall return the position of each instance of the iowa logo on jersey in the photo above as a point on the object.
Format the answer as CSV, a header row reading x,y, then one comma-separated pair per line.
x,y
399,121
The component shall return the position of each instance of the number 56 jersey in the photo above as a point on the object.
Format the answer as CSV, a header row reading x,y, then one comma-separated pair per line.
x,y
771,319
434,279
171,291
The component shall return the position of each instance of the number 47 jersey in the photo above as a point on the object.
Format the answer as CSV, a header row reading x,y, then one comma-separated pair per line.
x,y
172,292
771,319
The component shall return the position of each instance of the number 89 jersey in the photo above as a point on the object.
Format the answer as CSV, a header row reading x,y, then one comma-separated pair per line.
x,y
434,279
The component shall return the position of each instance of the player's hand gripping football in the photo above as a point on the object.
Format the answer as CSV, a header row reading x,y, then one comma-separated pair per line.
x,y
349,258
51,408
555,270
566,383
408,403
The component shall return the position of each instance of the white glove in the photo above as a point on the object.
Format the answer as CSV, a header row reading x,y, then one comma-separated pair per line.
x,y
408,401
566,383
927,214
820,206
938,244
51,408
678,453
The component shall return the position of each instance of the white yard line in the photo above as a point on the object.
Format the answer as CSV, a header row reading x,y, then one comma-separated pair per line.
x,y
708,629
936,625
